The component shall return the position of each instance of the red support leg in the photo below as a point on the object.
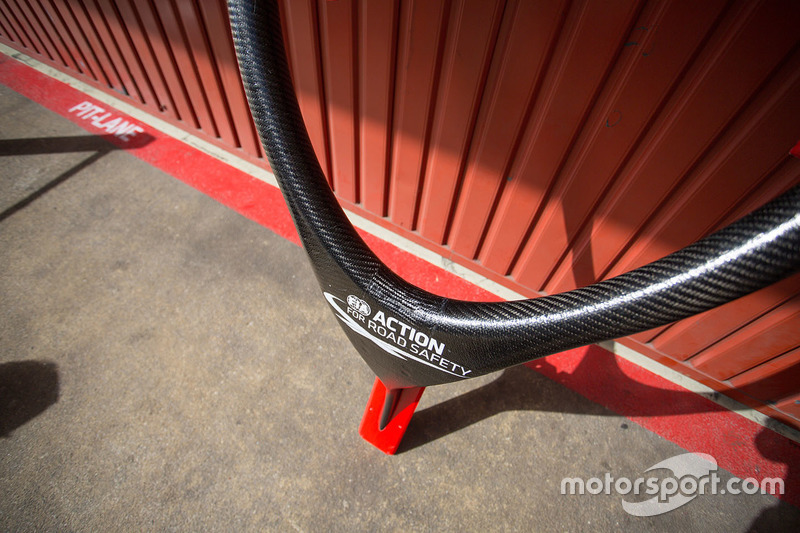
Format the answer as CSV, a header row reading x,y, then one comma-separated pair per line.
x,y
387,415
796,150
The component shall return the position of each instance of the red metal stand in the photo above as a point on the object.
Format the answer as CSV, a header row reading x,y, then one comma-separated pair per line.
x,y
796,150
387,415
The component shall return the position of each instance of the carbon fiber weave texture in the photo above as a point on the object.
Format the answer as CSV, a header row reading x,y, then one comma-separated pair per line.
x,y
477,338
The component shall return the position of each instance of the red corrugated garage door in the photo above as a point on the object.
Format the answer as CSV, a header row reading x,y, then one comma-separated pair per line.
x,y
545,144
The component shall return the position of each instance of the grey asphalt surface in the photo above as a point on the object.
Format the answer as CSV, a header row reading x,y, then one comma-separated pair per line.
x,y
166,364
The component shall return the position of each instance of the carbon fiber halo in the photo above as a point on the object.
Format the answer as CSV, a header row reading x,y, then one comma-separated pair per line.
x,y
410,337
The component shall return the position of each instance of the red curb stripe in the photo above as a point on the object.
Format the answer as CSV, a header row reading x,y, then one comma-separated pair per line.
x,y
694,423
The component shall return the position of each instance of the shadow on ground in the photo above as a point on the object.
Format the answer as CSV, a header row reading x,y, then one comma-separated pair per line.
x,y
27,389
530,388
99,144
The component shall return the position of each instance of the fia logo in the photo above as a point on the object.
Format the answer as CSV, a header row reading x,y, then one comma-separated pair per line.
x,y
357,304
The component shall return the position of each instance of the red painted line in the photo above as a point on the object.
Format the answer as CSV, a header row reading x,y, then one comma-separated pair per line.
x,y
232,187
739,445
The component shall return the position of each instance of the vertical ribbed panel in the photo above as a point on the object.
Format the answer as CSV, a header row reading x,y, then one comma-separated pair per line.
x,y
114,34
582,58
546,144
236,116
338,42
708,99
37,31
635,90
377,52
173,58
302,25
525,45
465,65
421,38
